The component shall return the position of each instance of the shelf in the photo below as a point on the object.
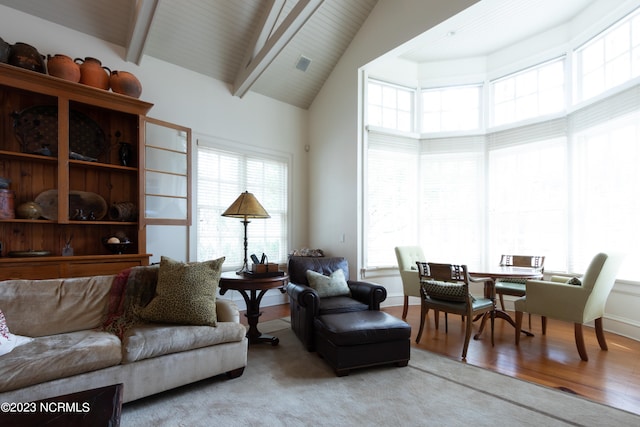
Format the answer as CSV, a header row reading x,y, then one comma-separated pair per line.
x,y
113,119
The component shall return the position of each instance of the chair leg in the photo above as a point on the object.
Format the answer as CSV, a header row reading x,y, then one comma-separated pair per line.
x,y
436,318
518,326
446,323
501,301
405,308
580,342
600,334
529,320
493,319
544,325
423,315
467,337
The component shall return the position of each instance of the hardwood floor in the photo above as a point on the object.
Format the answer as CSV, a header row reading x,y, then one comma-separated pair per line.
x,y
610,377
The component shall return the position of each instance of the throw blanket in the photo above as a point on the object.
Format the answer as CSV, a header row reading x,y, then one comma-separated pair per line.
x,y
131,290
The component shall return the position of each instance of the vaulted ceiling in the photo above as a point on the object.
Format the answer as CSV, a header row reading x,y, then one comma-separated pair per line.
x,y
249,44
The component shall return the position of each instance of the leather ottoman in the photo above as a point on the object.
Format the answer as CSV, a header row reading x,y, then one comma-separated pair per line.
x,y
360,339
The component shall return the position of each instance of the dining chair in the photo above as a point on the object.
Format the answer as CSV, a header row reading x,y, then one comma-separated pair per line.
x,y
407,257
445,287
575,300
516,287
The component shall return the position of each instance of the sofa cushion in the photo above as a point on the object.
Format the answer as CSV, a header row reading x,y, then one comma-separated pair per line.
x,y
185,293
333,285
152,339
54,306
58,356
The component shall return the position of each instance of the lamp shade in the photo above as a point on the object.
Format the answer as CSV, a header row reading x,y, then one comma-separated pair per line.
x,y
246,206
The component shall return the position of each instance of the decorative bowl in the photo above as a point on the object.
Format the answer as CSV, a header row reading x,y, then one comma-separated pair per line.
x,y
117,248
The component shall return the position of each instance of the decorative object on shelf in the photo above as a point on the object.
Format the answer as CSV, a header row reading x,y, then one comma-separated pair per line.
x,y
125,83
29,253
67,250
37,129
5,50
246,206
89,203
125,152
119,247
63,67
29,210
92,73
26,56
4,182
123,211
7,200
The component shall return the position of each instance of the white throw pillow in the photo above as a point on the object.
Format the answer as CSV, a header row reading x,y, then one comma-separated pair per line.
x,y
9,341
329,286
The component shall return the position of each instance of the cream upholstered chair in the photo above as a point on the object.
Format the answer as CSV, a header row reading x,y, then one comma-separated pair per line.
x,y
578,301
407,257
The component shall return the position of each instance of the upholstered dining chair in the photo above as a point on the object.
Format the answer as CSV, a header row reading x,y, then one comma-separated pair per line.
x,y
407,257
576,300
445,287
516,287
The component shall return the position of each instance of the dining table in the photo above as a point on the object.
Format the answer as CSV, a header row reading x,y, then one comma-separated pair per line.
x,y
501,272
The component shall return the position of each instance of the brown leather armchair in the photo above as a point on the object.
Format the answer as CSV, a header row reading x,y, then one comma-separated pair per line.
x,y
306,305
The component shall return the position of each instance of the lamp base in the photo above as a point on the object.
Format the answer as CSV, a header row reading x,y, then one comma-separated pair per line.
x,y
244,270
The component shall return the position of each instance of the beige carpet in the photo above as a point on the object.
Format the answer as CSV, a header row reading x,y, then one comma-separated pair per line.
x,y
288,386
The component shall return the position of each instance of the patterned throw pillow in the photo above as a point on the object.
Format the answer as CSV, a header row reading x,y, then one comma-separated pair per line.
x,y
185,293
7,343
574,281
445,291
329,286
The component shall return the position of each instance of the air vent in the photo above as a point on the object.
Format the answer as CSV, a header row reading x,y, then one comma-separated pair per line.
x,y
303,63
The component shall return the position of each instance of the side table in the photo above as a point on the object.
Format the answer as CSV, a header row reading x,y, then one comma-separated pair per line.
x,y
252,289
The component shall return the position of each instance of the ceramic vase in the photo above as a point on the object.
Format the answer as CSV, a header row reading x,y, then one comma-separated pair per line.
x,y
125,83
63,67
92,73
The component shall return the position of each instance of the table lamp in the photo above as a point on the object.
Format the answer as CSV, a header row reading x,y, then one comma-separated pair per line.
x,y
246,206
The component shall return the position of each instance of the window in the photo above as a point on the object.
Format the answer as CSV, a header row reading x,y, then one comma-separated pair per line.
x,y
390,107
391,199
535,92
610,59
606,192
527,190
221,176
451,109
451,200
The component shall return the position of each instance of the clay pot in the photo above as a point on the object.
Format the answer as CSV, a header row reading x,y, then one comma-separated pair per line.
x,y
63,67
92,73
26,56
5,50
125,83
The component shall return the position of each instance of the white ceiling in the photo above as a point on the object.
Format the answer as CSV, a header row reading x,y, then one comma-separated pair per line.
x,y
491,25
217,37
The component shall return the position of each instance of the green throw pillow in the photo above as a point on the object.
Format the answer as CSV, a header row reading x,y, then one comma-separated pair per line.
x,y
185,293
329,286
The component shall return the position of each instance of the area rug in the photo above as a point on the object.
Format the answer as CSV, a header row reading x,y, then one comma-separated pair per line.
x,y
288,386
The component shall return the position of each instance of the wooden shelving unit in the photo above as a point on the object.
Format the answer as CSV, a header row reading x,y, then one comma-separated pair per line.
x,y
121,119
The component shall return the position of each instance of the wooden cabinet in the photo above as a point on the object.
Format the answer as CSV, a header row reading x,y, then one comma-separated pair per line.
x,y
66,137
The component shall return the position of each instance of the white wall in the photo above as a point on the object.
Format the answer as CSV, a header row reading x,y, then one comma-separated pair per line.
x,y
189,99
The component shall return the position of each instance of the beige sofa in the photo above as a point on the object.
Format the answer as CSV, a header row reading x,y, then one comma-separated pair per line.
x,y
71,350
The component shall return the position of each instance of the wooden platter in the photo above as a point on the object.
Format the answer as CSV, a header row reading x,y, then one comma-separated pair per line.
x,y
84,201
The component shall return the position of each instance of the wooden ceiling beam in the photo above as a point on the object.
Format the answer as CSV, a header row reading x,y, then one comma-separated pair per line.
x,y
139,30
260,56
